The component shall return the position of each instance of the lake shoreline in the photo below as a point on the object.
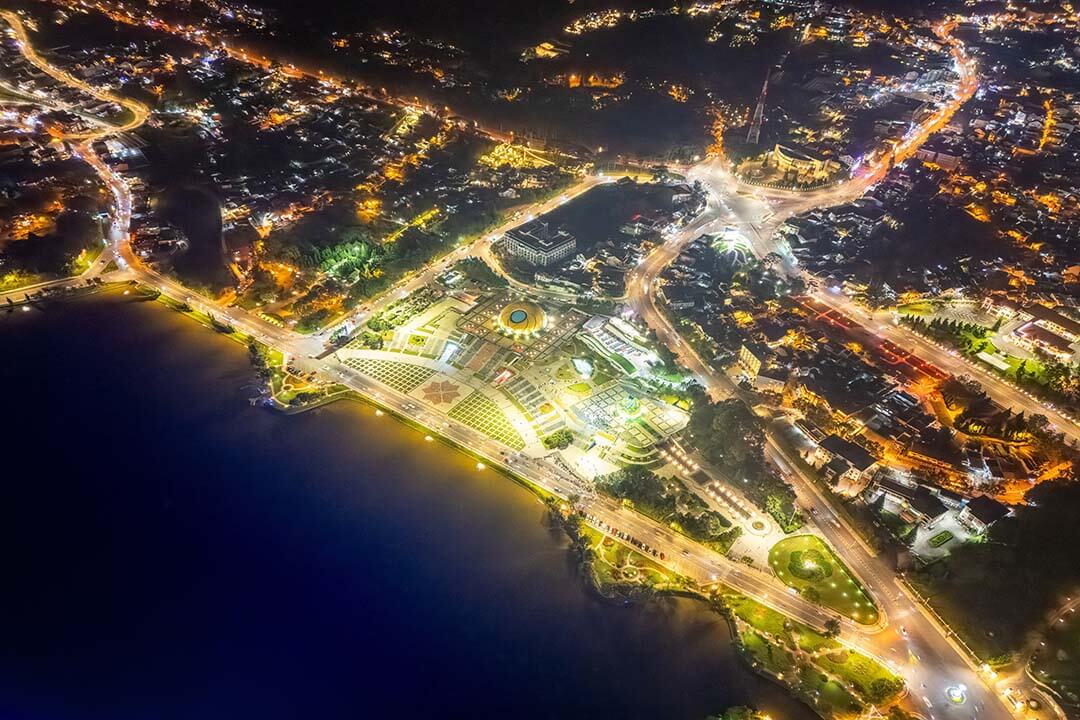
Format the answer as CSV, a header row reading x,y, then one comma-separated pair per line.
x,y
153,335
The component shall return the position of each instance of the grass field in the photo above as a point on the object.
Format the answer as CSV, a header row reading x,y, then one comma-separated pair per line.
x,y
921,308
831,697
769,655
756,615
859,670
831,677
807,564
17,279
773,623
1032,369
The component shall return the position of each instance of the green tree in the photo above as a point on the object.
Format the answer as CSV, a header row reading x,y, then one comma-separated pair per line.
x,y
559,440
883,689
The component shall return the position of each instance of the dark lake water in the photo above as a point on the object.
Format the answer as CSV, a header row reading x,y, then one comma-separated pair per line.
x,y
172,552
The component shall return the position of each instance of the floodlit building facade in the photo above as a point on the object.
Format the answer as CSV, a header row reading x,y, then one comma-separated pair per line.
x,y
536,243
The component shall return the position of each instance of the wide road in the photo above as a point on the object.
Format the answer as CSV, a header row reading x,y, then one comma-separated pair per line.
x,y
948,360
919,651
682,555
931,660
82,140
138,111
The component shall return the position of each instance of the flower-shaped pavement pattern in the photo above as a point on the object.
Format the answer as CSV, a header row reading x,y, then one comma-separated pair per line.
x,y
441,392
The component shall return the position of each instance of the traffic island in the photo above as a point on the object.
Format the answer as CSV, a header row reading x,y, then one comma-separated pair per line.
x,y
810,567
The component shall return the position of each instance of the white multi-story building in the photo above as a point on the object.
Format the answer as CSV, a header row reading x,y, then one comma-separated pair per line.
x,y
535,243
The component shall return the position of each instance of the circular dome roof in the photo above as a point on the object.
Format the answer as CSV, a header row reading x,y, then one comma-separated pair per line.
x,y
522,318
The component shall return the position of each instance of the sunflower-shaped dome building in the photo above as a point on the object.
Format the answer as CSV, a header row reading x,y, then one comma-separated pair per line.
x,y
522,319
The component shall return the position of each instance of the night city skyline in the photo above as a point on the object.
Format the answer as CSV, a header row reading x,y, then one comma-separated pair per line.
x,y
698,360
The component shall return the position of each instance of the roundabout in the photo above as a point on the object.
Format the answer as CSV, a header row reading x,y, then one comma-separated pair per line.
x,y
956,694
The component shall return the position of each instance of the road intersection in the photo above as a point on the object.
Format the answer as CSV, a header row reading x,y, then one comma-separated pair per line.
x,y
906,639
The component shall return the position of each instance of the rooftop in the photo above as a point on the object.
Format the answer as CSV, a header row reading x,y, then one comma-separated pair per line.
x,y
854,454
986,509
538,235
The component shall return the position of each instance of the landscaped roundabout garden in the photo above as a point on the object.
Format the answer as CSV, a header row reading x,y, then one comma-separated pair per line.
x,y
806,564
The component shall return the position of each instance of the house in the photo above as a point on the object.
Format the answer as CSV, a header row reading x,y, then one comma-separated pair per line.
x,y
837,470
917,503
752,357
1043,328
681,193
856,463
771,380
981,512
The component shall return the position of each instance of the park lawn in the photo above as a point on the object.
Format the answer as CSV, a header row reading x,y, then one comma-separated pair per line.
x,y
606,575
275,362
85,259
580,388
566,373
613,553
767,620
756,615
919,307
603,370
1034,369
808,565
122,118
674,378
614,358
830,677
613,557
679,402
970,339
856,669
810,640
990,348
828,696
600,378
603,568
768,655
18,278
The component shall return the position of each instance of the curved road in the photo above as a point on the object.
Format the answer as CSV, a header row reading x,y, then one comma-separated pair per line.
x,y
916,648
929,655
